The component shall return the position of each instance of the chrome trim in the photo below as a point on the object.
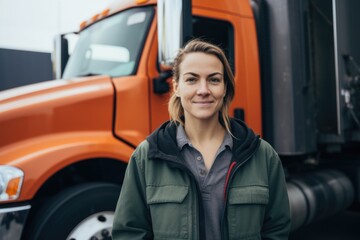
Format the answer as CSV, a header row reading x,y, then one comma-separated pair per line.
x,y
12,221
170,14
337,76
14,209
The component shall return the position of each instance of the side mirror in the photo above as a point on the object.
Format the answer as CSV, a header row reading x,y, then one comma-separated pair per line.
x,y
60,55
174,22
63,44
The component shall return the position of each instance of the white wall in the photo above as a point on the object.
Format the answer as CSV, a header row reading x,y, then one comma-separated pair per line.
x,y
32,24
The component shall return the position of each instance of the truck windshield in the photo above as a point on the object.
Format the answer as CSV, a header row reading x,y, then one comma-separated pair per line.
x,y
111,46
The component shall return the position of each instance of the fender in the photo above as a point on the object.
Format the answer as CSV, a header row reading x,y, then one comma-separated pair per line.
x,y
42,157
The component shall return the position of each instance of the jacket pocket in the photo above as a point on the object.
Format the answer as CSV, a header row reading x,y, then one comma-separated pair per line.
x,y
246,211
169,210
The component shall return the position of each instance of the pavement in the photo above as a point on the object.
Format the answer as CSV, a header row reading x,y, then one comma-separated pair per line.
x,y
344,226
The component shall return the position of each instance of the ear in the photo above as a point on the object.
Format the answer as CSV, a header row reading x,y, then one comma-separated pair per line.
x,y
175,87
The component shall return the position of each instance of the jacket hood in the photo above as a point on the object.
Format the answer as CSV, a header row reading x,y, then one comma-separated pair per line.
x,y
163,143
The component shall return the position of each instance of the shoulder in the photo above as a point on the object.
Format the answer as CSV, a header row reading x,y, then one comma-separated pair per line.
x,y
267,149
267,154
140,154
142,149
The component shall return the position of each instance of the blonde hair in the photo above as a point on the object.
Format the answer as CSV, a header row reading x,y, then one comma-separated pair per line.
x,y
175,108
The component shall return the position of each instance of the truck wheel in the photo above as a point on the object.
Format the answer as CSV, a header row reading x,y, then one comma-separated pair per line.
x,y
85,211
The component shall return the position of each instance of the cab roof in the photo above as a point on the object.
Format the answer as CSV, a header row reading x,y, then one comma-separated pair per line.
x,y
238,7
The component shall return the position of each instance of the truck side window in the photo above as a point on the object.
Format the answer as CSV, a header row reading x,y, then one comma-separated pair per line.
x,y
217,32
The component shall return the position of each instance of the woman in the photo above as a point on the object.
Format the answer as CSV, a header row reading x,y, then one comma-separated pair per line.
x,y
203,175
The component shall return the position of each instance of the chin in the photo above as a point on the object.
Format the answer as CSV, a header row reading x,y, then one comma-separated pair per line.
x,y
205,117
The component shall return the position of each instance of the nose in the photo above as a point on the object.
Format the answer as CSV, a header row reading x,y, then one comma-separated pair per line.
x,y
203,88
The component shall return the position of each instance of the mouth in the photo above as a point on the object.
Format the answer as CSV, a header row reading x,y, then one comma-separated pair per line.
x,y
203,102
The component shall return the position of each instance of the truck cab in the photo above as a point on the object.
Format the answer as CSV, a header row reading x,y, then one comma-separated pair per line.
x,y
65,143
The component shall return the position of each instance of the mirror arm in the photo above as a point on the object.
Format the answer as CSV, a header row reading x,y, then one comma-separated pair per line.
x,y
187,25
160,84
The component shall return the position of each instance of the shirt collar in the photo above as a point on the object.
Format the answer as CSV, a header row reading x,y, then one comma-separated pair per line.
x,y
181,137
183,140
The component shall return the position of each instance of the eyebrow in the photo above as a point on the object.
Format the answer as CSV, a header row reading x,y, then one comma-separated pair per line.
x,y
197,75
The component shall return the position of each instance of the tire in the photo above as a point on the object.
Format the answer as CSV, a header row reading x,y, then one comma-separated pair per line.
x,y
81,212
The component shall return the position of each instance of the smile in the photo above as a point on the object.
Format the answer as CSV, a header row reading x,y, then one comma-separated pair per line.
x,y
203,102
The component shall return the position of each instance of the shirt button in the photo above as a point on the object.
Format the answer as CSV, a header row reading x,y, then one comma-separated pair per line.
x,y
198,158
202,172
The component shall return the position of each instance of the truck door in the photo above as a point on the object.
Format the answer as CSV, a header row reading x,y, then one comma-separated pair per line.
x,y
131,89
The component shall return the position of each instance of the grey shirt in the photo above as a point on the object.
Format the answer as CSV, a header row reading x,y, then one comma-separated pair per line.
x,y
211,183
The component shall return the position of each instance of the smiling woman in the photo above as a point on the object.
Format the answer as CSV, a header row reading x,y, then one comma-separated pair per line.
x,y
201,88
209,60
202,175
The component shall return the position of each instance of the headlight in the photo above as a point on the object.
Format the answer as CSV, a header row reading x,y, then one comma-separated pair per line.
x,y
11,179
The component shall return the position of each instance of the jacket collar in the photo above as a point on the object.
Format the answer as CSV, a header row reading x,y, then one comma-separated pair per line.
x,y
182,139
163,144
245,140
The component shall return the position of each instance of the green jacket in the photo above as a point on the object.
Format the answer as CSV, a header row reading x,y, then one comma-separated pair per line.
x,y
160,198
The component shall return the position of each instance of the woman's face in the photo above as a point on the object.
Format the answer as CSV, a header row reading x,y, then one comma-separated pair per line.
x,y
201,86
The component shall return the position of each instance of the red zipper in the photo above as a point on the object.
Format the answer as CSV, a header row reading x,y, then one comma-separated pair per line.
x,y
227,177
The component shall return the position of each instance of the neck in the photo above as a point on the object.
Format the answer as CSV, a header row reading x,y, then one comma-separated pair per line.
x,y
201,131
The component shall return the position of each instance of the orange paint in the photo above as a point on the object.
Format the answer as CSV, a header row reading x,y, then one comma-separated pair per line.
x,y
105,12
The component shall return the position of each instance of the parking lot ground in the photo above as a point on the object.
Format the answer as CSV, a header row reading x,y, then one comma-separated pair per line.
x,y
344,226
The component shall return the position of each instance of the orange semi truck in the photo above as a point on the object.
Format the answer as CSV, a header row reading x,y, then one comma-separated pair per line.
x,y
65,143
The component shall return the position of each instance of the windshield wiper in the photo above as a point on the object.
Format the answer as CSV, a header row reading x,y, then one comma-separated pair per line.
x,y
88,74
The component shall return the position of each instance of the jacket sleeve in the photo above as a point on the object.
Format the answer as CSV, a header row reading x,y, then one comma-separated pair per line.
x,y
277,222
132,217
